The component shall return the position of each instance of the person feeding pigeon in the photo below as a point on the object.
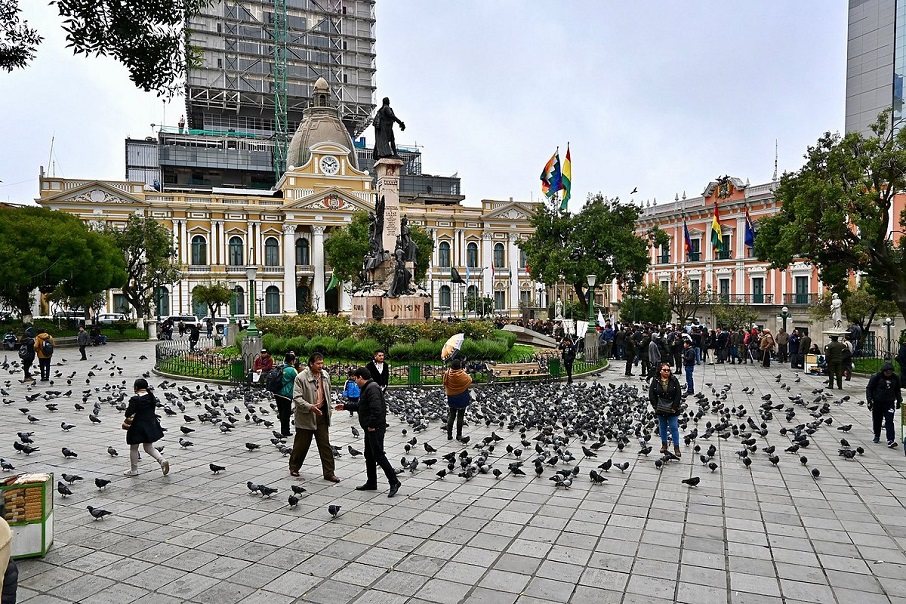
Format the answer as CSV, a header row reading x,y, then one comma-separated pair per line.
x,y
372,411
664,394
311,416
143,429
882,393
456,386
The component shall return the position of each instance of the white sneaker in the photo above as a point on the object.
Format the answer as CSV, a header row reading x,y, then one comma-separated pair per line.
x,y
130,473
165,467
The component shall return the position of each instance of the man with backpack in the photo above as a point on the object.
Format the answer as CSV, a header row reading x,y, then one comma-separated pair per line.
x,y
44,346
27,353
280,381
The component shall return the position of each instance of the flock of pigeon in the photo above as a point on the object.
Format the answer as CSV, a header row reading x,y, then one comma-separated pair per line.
x,y
525,431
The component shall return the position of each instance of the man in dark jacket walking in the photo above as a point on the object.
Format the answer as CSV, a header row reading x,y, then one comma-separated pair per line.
x,y
373,419
833,352
882,394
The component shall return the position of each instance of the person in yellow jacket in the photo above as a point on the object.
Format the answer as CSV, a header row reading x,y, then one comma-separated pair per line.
x,y
456,387
44,346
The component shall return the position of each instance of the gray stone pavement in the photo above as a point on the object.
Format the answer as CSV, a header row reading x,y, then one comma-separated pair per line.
x,y
769,534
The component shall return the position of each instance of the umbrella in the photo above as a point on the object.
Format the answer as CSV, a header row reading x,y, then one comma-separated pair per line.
x,y
452,347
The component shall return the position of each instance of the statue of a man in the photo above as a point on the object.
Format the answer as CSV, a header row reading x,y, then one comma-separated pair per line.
x,y
410,249
558,309
836,306
401,276
384,141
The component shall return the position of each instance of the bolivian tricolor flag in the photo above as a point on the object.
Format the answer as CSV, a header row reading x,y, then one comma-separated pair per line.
x,y
717,240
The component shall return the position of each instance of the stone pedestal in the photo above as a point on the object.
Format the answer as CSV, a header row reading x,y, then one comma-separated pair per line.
x,y
152,329
387,170
251,346
407,309
591,346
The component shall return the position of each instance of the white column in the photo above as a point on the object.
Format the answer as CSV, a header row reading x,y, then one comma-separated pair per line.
x,y
289,268
514,273
345,302
184,245
217,255
317,259
459,253
176,241
487,252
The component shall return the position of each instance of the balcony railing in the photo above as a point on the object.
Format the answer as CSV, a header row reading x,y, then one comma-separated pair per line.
x,y
272,270
751,298
724,255
800,299
663,259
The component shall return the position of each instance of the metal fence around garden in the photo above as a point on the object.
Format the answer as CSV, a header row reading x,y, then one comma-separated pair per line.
x,y
204,361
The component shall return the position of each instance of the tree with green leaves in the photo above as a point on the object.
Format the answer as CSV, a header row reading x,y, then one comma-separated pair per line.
x,y
599,240
837,210
151,261
480,305
51,251
148,37
346,248
649,303
214,295
686,301
733,314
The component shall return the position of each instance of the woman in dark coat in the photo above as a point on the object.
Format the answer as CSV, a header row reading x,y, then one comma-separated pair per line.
x,y
666,386
145,428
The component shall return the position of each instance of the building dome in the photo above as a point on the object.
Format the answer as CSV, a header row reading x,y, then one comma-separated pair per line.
x,y
320,124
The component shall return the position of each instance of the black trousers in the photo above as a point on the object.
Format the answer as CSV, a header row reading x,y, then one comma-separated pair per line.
x,y
568,365
884,412
82,352
459,414
284,413
44,365
375,456
629,361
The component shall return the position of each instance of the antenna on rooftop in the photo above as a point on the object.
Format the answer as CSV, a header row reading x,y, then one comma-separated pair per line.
x,y
775,161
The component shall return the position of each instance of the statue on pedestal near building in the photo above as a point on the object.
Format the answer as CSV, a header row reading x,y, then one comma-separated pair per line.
x,y
384,141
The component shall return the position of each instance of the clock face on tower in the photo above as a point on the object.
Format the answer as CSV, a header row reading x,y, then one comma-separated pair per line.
x,y
330,165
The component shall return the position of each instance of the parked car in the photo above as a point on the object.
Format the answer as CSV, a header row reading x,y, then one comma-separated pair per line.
x,y
74,315
187,319
108,318
220,324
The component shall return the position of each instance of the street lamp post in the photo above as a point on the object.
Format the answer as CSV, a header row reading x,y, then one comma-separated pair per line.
x,y
784,313
251,271
888,323
591,336
592,279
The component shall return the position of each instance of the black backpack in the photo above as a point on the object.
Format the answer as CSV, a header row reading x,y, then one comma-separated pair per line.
x,y
27,350
47,348
274,381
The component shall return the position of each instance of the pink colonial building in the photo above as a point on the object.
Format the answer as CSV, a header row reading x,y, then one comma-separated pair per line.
x,y
733,274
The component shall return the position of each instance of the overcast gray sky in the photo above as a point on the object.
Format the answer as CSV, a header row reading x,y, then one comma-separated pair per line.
x,y
656,94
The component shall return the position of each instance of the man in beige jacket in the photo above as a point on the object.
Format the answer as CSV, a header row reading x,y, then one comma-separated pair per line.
x,y
311,416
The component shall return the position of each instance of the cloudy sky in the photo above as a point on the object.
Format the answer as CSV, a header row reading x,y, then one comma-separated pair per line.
x,y
661,95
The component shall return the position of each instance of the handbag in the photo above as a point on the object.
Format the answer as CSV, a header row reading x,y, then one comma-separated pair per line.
x,y
664,406
127,423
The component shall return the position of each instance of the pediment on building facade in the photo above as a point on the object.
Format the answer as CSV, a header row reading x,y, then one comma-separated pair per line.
x,y
511,211
97,192
724,187
330,200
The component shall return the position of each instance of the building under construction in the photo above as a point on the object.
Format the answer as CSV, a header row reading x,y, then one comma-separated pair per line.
x,y
258,63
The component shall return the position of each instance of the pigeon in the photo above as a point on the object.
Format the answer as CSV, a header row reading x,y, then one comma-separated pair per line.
x,y
215,468
293,501
71,478
112,452
94,419
622,466
97,513
67,453
429,448
252,446
692,482
297,488
333,510
185,444
254,488
816,473
355,432
66,427
353,452
63,490
101,482
266,491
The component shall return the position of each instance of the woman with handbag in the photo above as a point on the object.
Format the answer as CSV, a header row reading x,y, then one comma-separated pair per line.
x,y
664,394
142,428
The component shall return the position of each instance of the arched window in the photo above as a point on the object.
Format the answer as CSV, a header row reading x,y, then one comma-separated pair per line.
x,y
472,255
445,297
237,257
272,300
498,255
199,250
199,308
302,257
238,303
271,252
443,251
472,292
162,301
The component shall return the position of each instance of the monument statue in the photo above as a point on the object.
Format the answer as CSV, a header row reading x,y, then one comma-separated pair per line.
x,y
836,306
558,308
379,224
401,275
384,141
409,247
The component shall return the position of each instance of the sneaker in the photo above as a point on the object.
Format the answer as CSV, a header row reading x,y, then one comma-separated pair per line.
x,y
130,473
876,440
892,444
165,467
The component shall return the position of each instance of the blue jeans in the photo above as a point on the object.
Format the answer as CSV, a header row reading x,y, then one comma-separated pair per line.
x,y
690,388
668,421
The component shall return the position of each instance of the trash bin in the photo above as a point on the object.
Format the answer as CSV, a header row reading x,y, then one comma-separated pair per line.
x,y
554,367
237,371
415,375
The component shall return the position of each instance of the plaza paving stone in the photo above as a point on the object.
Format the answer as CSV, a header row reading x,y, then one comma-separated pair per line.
x,y
768,534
